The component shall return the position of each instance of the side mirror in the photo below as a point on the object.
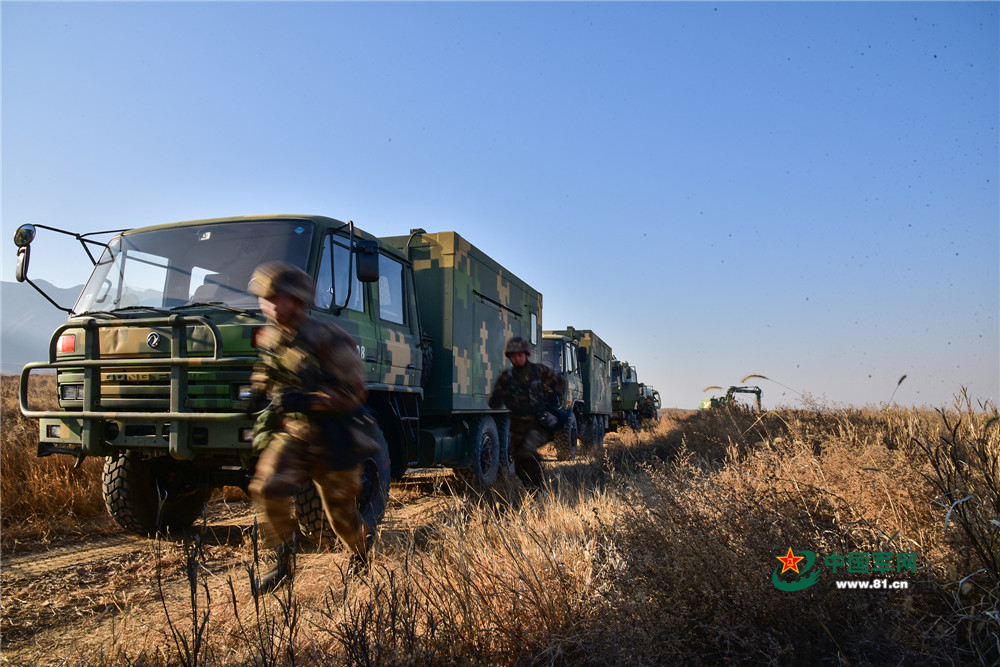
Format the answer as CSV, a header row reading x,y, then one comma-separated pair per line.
x,y
24,235
366,261
581,355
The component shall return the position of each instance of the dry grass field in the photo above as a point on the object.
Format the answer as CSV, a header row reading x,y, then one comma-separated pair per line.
x,y
660,552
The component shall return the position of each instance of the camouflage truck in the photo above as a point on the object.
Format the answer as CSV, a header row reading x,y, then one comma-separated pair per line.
x,y
624,395
584,361
154,360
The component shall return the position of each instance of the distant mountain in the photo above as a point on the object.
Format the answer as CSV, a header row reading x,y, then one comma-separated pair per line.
x,y
27,321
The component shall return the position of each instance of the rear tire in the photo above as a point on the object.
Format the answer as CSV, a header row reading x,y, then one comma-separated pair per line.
x,y
566,440
506,453
596,435
149,495
482,473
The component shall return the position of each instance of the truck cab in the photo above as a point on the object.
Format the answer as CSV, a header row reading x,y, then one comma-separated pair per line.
x,y
584,360
624,395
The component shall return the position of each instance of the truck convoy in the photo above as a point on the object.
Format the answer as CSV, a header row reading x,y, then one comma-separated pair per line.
x,y
584,361
153,363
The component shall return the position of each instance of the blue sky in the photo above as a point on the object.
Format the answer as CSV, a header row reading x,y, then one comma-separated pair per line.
x,y
806,191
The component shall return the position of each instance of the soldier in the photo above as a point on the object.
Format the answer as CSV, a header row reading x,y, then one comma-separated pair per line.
x,y
312,427
528,390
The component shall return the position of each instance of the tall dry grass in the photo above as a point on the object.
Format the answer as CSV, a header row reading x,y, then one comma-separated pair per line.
x,y
660,553
42,497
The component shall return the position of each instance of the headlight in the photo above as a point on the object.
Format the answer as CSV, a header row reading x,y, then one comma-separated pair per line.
x,y
243,392
71,392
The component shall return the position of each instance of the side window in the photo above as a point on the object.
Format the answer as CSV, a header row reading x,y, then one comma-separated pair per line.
x,y
390,290
331,282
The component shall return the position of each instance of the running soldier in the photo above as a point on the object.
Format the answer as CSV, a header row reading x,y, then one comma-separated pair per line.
x,y
314,377
528,390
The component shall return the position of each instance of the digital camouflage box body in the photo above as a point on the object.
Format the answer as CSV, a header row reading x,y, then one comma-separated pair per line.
x,y
584,361
154,360
469,307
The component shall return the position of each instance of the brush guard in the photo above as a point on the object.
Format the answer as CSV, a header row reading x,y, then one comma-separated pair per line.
x,y
85,425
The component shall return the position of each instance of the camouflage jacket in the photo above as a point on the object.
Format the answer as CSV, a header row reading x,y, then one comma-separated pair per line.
x,y
527,390
320,359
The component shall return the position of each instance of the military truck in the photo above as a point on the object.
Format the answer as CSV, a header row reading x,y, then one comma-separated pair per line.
x,y
649,403
154,360
624,395
584,361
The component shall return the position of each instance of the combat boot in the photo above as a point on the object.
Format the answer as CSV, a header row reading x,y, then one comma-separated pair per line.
x,y
281,573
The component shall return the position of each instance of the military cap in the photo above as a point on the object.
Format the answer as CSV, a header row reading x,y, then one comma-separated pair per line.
x,y
517,344
271,278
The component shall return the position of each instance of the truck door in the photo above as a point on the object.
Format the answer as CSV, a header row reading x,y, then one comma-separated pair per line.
x,y
399,355
333,290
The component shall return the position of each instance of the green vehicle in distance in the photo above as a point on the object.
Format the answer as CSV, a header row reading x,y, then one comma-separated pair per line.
x,y
729,401
584,361
649,403
154,360
625,395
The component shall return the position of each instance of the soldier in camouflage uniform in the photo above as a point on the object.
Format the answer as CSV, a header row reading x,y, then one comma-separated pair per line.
x,y
316,381
527,390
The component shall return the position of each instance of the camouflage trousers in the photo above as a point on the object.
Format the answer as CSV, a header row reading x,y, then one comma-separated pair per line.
x,y
526,436
287,464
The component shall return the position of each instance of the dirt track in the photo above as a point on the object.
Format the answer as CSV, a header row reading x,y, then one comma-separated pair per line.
x,y
66,600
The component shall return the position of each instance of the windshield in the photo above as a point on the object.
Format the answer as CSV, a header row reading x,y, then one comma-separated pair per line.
x,y
169,268
552,353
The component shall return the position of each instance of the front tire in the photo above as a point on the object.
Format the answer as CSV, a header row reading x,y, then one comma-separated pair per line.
x,y
566,439
149,495
376,476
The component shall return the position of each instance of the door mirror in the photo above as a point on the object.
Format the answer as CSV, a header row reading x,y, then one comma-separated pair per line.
x,y
581,355
366,261
24,235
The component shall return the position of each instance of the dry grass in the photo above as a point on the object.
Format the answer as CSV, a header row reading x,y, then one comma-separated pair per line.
x,y
42,498
662,552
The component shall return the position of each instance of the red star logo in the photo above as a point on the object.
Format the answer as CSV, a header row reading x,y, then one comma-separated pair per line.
x,y
790,562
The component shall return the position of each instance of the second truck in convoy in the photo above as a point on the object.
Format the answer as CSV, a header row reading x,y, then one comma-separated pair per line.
x,y
584,361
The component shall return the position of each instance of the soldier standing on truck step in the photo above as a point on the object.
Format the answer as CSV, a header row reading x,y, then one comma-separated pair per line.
x,y
312,427
530,391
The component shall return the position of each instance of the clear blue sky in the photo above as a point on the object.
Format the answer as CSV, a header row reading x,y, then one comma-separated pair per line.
x,y
802,190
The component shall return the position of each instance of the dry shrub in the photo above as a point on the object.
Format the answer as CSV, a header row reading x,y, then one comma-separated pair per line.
x,y
663,552
964,463
42,497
